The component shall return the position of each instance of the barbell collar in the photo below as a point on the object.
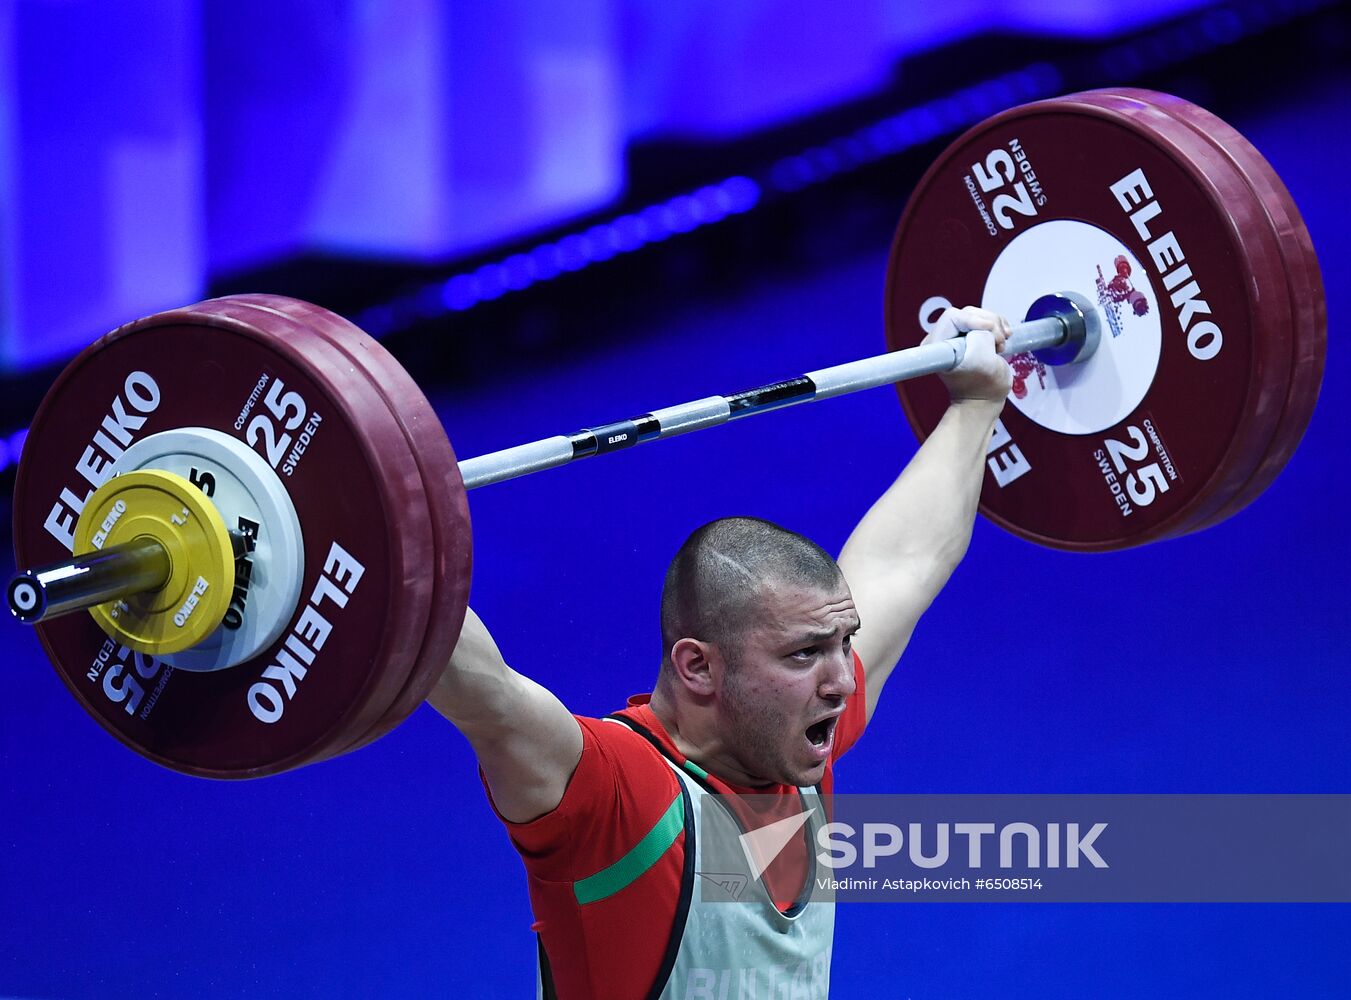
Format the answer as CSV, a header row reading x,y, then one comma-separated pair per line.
x,y
1046,331
1083,322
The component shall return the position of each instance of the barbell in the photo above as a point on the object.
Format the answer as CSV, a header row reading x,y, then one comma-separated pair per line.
x,y
269,530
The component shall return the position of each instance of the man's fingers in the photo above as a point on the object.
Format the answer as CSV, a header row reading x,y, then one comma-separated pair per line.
x,y
954,322
980,350
975,318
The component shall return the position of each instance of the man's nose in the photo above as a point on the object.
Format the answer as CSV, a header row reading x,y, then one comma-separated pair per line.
x,y
838,681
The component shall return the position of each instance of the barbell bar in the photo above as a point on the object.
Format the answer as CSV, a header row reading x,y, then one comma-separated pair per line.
x,y
1075,321
142,565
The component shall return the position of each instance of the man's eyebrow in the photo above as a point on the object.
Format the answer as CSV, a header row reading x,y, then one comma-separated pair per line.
x,y
818,635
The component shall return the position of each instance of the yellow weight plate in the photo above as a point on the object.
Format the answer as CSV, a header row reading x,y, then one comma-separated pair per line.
x,y
169,509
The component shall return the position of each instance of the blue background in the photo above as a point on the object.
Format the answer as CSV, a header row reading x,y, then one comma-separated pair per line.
x,y
1214,663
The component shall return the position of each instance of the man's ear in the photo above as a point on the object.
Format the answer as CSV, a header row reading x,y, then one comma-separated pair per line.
x,y
698,666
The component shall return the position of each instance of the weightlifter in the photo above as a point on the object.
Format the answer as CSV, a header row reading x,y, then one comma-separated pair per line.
x,y
765,682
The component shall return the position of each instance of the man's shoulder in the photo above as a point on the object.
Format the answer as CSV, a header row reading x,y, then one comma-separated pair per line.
x,y
620,759
629,746
620,788
638,718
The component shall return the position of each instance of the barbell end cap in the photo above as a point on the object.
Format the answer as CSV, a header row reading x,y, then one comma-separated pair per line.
x,y
27,598
1083,326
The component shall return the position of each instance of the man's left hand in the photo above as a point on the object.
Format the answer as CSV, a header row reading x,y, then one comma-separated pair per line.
x,y
983,375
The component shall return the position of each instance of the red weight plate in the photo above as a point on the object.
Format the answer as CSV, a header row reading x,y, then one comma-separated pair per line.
x,y
397,673
1178,405
357,493
449,563
1273,319
1309,319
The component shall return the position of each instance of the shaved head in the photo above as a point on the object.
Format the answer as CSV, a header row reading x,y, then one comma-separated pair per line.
x,y
715,583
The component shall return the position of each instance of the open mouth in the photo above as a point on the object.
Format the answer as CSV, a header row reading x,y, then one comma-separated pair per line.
x,y
819,733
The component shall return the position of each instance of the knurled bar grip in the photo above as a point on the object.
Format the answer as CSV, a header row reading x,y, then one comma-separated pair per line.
x,y
866,373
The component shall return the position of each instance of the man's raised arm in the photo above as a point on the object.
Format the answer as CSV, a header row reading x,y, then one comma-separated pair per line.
x,y
901,554
526,741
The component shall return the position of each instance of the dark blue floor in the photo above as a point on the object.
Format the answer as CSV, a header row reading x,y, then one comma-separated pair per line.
x,y
1218,663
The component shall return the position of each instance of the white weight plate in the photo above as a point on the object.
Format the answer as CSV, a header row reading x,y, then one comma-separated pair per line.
x,y
251,498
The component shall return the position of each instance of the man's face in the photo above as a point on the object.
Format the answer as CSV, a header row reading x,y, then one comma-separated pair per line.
x,y
787,681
